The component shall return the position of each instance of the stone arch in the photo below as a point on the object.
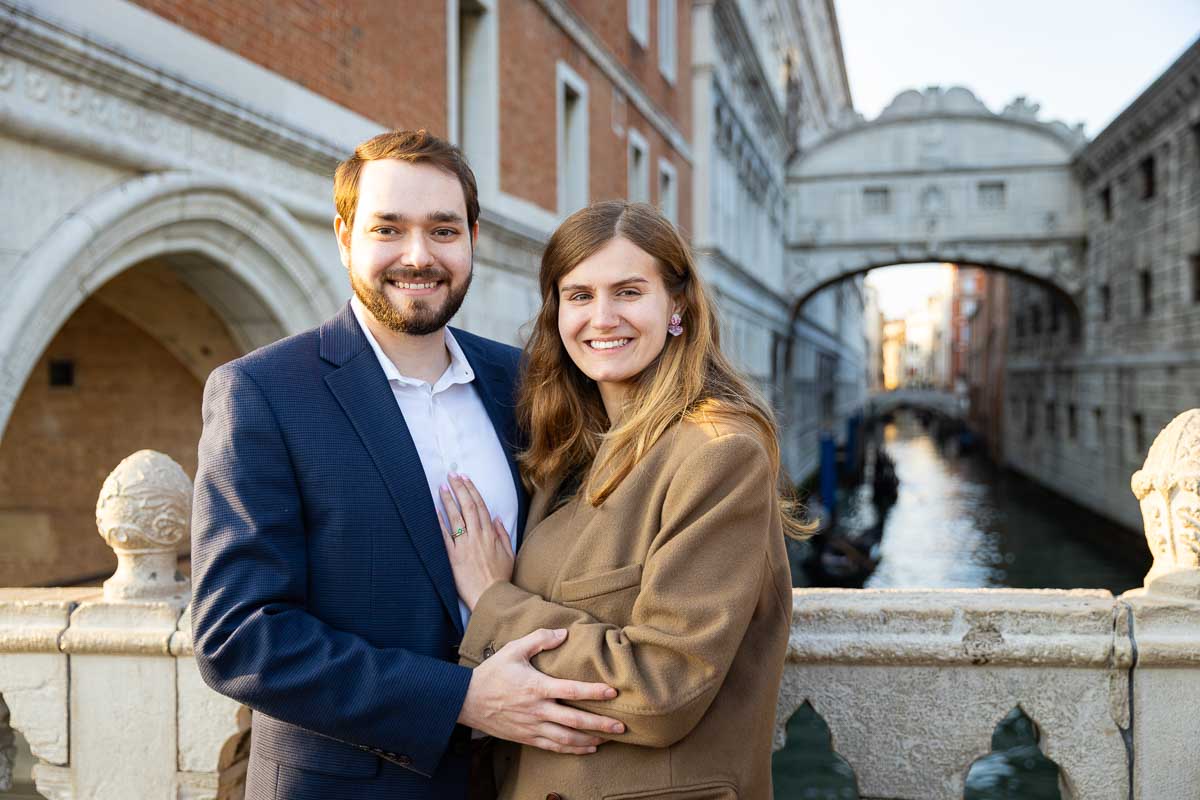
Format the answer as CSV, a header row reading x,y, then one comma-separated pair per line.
x,y
938,176
245,255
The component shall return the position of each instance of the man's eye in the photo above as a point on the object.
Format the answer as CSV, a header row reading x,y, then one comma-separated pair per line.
x,y
385,230
444,232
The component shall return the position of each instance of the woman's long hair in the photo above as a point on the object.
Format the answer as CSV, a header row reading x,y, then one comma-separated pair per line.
x,y
560,408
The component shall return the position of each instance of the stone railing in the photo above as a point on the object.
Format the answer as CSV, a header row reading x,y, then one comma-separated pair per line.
x,y
918,688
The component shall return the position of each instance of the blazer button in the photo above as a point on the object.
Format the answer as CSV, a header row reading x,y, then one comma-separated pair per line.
x,y
488,652
554,796
403,761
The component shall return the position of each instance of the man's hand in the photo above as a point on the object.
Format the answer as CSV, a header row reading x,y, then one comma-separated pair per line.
x,y
509,699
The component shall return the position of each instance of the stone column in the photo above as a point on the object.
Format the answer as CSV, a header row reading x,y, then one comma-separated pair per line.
x,y
1163,618
123,677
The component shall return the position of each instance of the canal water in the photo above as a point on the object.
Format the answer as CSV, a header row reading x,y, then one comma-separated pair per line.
x,y
959,521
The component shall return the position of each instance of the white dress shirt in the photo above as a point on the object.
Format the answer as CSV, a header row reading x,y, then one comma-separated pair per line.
x,y
452,432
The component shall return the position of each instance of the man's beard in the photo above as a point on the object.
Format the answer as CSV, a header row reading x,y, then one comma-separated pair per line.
x,y
419,319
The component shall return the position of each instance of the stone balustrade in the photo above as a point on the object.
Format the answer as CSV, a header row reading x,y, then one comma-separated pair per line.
x,y
912,684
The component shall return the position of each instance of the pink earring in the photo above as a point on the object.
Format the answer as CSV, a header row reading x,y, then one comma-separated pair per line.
x,y
675,326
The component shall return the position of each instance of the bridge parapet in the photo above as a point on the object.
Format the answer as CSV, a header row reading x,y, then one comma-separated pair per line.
x,y
912,683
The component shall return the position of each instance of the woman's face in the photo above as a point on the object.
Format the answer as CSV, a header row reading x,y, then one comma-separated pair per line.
x,y
613,310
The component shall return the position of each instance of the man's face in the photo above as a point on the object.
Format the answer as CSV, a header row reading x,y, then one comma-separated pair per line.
x,y
409,251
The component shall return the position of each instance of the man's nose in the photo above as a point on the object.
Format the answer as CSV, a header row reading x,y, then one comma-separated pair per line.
x,y
416,252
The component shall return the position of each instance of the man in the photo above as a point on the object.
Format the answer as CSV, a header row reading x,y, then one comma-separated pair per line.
x,y
324,598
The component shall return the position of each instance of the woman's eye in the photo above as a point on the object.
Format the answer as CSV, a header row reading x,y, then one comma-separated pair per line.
x,y
579,296
629,293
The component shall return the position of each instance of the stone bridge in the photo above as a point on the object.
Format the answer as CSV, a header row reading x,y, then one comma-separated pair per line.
x,y
911,684
943,403
938,177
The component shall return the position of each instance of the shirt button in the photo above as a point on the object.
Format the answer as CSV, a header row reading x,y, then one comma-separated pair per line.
x,y
454,466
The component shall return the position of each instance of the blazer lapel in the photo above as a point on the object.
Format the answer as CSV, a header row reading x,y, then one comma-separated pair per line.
x,y
363,393
494,386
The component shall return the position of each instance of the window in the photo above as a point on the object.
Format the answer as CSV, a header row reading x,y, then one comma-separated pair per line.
x,y
991,195
1146,173
1106,203
1051,418
62,372
877,200
637,186
478,87
1029,417
1037,320
668,192
666,39
1020,325
572,141
1137,425
1147,287
1105,302
1194,262
639,21
1055,313
1072,422
1098,427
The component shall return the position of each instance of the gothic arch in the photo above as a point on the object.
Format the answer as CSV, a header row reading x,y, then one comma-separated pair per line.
x,y
244,254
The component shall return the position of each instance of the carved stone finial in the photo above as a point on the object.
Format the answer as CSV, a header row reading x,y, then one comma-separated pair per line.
x,y
144,513
1168,488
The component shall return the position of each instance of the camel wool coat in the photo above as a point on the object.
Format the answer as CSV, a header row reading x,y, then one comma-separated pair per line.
x,y
676,591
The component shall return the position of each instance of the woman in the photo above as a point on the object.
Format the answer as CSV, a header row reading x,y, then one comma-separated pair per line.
x,y
655,535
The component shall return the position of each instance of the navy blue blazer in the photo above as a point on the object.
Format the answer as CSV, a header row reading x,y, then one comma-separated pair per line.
x,y
322,595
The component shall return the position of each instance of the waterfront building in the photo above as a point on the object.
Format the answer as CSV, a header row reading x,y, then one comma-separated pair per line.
x,y
987,359
168,165
767,77
1085,396
893,348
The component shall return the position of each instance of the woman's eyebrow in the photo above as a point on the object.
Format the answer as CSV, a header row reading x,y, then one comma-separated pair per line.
x,y
572,287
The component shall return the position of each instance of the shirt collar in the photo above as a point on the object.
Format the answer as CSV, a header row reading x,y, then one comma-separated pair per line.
x,y
459,371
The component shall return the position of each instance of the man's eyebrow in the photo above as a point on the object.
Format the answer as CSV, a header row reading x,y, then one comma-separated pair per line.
x,y
432,216
574,287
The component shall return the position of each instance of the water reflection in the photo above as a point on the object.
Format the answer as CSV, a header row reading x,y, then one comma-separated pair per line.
x,y
961,522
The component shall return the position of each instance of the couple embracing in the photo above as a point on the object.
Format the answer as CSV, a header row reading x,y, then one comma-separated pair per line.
x,y
437,567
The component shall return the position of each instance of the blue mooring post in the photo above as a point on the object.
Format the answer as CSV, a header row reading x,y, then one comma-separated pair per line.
x,y
829,475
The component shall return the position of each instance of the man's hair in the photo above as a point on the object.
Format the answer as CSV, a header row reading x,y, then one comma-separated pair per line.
x,y
415,147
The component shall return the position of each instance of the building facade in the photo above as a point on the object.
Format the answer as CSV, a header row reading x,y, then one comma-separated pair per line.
x,y
1086,396
167,171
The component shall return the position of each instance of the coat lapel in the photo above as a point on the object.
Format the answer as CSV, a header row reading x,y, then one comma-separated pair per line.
x,y
363,393
495,387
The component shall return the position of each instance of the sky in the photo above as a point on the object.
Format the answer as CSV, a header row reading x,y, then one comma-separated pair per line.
x,y
1080,60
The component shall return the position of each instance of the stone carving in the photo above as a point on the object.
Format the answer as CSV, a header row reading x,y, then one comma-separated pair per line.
x,y
144,514
1168,489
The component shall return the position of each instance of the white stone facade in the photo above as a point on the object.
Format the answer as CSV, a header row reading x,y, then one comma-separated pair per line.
x,y
762,73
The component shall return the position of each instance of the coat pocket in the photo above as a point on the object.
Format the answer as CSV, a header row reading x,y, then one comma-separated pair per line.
x,y
601,583
714,790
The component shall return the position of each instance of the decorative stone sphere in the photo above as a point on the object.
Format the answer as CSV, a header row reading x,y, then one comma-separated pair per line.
x,y
144,514
1168,488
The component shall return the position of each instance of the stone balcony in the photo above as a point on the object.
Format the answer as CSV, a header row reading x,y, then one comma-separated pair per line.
x,y
917,687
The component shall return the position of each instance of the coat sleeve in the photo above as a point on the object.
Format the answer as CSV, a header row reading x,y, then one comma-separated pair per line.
x,y
701,581
254,640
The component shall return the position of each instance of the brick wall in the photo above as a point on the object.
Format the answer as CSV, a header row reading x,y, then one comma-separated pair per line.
x,y
532,45
382,59
61,442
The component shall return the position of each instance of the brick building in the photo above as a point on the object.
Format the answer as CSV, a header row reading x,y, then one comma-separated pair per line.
x,y
167,170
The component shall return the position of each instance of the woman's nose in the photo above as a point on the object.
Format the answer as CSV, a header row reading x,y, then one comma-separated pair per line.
x,y
604,315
